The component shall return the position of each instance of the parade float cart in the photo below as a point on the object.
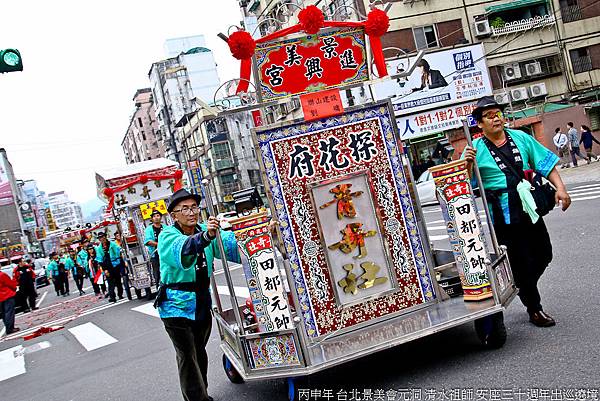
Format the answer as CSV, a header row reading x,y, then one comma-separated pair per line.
x,y
132,192
108,227
350,235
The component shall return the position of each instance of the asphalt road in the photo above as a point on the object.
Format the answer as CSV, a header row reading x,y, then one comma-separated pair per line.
x,y
123,353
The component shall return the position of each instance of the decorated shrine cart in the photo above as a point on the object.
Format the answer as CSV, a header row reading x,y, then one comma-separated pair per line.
x,y
132,193
348,269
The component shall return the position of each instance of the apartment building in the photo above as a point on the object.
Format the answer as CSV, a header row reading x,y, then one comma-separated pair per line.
x,y
543,56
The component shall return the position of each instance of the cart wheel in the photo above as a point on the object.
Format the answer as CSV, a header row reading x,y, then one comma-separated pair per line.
x,y
230,371
491,330
138,293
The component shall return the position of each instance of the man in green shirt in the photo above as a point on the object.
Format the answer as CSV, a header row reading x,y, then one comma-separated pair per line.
x,y
525,236
183,298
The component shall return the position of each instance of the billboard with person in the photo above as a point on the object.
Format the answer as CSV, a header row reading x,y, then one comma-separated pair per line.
x,y
441,78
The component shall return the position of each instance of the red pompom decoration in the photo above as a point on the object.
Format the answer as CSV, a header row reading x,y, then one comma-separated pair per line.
x,y
242,45
108,192
143,178
178,174
377,23
311,19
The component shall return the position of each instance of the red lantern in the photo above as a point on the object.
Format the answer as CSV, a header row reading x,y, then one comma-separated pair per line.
x,y
311,19
242,45
108,192
377,23
178,174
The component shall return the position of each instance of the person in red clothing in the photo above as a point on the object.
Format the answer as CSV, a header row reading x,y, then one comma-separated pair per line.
x,y
8,290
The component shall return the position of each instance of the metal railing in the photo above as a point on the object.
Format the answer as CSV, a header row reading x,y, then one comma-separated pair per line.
x,y
582,64
571,13
524,25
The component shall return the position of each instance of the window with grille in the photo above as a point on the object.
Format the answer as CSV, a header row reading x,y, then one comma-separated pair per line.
x,y
581,60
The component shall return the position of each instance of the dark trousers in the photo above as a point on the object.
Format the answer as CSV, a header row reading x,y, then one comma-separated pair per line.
x,y
114,280
8,314
576,151
529,253
64,278
126,285
155,262
78,282
189,339
58,287
28,296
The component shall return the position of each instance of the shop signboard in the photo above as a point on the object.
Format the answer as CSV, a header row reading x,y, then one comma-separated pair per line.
x,y
433,121
347,218
455,76
311,63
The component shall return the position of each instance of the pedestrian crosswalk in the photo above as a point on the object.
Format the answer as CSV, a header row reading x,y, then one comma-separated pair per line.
x,y
92,337
585,192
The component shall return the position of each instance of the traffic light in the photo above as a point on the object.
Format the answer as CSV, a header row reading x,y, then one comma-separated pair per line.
x,y
10,60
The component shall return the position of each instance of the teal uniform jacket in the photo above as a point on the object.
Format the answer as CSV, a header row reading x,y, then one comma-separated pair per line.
x,y
149,236
69,264
535,156
82,259
52,269
114,251
177,265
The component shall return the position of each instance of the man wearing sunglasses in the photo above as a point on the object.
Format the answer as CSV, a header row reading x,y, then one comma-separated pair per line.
x,y
183,298
503,155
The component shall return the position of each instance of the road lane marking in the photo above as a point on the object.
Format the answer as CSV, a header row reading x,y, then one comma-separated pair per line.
x,y
241,292
37,347
585,198
91,336
39,301
587,186
577,192
437,237
231,269
12,362
148,309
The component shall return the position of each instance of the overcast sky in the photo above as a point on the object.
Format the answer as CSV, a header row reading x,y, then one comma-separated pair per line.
x,y
65,115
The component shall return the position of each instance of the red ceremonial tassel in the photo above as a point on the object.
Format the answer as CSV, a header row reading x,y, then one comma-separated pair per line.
x,y
177,186
377,51
245,70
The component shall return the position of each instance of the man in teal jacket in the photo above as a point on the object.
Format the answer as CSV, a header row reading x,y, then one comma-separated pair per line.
x,y
183,298
108,255
83,258
151,241
53,272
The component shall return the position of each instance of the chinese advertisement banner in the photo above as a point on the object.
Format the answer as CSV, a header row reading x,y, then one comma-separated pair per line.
x,y
444,78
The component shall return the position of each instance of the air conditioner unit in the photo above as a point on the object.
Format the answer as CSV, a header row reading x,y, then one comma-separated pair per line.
x,y
511,71
533,68
519,94
537,90
501,98
482,28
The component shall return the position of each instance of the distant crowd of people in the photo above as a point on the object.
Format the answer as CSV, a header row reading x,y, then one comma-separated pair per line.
x,y
568,145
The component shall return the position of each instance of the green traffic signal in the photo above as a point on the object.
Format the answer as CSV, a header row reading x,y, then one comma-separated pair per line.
x,y
10,60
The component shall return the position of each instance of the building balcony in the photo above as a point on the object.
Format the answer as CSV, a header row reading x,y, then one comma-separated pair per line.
x,y
524,25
